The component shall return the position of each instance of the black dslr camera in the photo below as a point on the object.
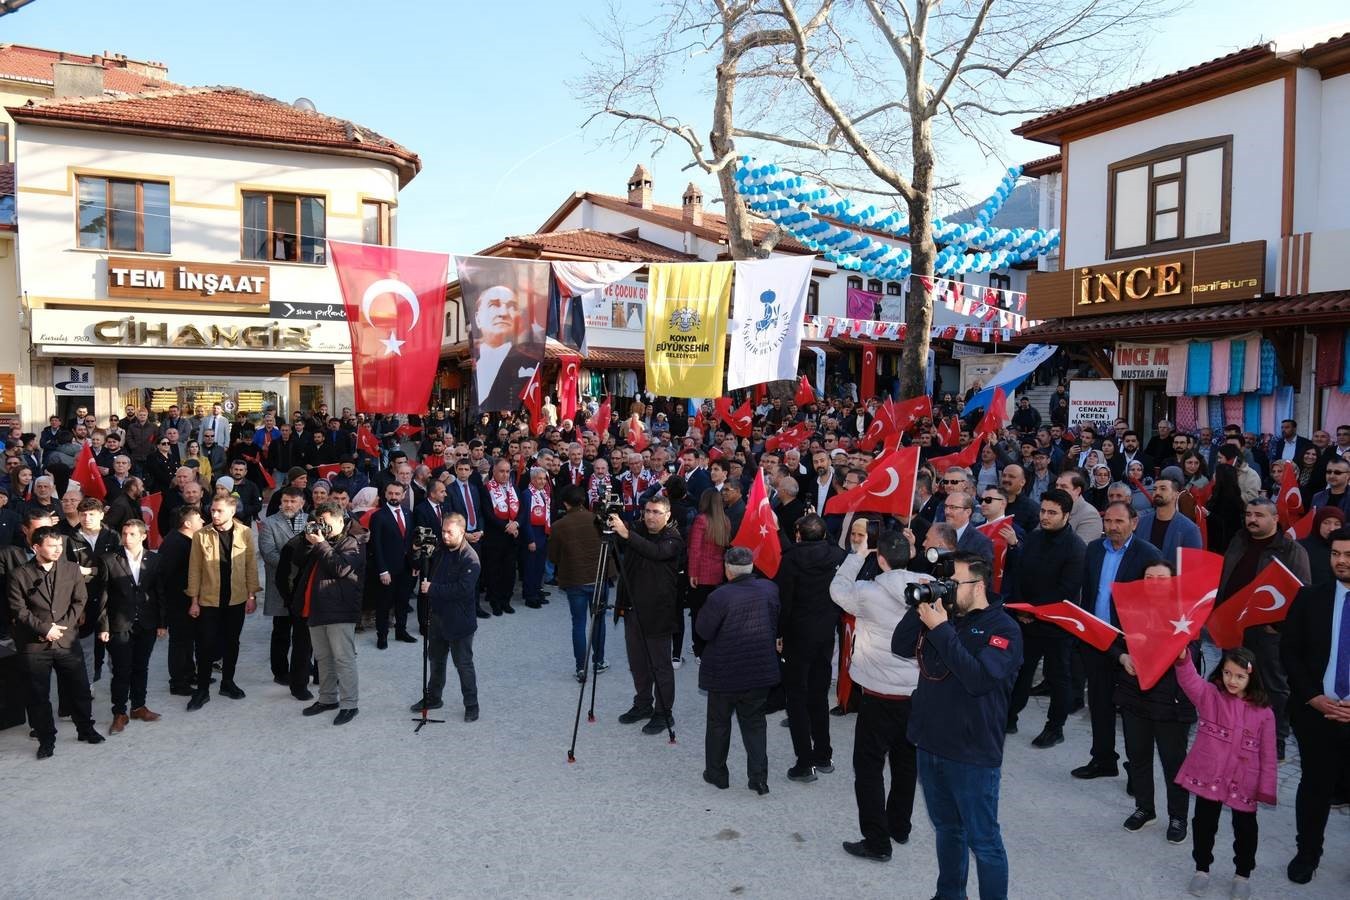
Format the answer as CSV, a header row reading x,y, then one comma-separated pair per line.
x,y
319,527
607,505
942,589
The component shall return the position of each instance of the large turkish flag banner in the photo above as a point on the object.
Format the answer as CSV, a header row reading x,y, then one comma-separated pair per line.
x,y
395,303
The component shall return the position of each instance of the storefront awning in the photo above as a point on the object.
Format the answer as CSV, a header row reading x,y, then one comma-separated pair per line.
x,y
1327,308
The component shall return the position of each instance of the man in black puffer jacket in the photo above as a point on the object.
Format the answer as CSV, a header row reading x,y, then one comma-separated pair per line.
x,y
451,589
740,663
807,627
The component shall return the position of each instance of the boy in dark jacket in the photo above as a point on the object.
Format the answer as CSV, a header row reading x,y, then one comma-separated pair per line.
x,y
740,663
451,589
331,565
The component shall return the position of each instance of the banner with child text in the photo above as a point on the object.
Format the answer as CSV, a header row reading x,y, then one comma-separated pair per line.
x,y
686,326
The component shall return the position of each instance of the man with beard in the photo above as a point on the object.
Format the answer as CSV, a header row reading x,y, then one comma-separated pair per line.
x,y
1163,526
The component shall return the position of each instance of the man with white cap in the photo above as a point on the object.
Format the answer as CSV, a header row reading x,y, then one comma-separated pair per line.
x,y
501,369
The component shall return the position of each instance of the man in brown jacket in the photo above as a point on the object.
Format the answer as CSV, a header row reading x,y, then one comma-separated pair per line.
x,y
222,585
574,547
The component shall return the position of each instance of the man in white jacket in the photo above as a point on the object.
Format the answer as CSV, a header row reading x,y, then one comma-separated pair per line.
x,y
887,681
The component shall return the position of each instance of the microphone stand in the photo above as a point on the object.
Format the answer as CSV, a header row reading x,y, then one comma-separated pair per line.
x,y
422,720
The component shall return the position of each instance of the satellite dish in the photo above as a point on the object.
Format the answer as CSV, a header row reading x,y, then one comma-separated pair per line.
x,y
306,104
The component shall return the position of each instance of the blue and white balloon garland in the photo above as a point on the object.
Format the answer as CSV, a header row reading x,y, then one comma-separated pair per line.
x,y
801,208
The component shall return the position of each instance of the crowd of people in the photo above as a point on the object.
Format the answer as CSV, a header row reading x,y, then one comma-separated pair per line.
x,y
359,522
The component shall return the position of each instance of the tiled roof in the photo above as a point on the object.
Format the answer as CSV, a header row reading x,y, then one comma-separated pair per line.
x,y
599,357
1043,166
34,65
1327,308
714,226
223,114
585,243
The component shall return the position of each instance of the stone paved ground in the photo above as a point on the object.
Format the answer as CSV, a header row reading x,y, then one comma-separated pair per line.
x,y
247,798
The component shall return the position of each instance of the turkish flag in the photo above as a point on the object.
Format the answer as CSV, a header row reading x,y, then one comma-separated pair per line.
x,y
1303,527
965,458
949,432
742,419
759,529
889,488
1201,494
149,513
789,437
87,475
1162,615
993,418
395,303
603,415
722,410
698,420
636,438
1263,602
868,384
366,441
1290,501
533,398
906,414
328,470
805,393
1075,620
407,431
883,425
992,530
569,379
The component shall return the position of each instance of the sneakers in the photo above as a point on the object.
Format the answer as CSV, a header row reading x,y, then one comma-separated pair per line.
x,y
1048,737
1199,885
635,714
602,667
659,723
804,774
825,768
1242,888
581,676
1176,831
1138,819
676,662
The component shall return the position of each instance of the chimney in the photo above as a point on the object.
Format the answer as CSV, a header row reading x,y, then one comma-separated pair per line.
x,y
77,79
640,188
693,204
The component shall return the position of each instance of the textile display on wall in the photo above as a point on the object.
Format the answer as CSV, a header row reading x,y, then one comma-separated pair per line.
x,y
861,304
395,305
506,307
766,320
686,327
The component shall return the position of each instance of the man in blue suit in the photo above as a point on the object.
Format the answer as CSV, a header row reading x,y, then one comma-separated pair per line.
x,y
1164,526
391,537
1119,555
960,507
465,497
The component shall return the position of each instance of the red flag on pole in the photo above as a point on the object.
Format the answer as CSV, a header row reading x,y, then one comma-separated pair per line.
x,y
87,475
907,413
883,425
759,529
741,420
603,415
993,530
994,417
805,393
1290,502
635,436
1303,527
722,410
533,399
1263,602
867,385
569,379
366,441
149,513
789,438
1161,615
949,432
328,470
407,431
698,420
395,302
964,458
889,487
1075,620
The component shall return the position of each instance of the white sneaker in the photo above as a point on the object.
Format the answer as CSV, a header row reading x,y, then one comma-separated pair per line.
x,y
676,662
1199,885
1242,889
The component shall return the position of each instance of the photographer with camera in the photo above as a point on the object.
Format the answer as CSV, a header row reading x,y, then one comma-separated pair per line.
x,y
450,585
653,555
887,682
574,547
331,565
968,654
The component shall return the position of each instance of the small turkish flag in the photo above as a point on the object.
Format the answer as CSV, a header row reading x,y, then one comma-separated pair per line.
x,y
149,513
906,414
698,419
741,420
965,458
722,410
1290,502
366,441
868,385
532,397
1074,619
994,531
883,425
1161,615
949,432
889,488
87,475
603,415
759,529
395,304
1303,527
328,470
789,438
1263,602
569,377
636,438
993,419
805,393
407,431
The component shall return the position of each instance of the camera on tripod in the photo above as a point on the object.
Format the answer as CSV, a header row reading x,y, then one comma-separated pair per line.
x,y
424,541
942,589
606,505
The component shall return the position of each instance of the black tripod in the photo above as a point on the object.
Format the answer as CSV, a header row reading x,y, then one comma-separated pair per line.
x,y
422,720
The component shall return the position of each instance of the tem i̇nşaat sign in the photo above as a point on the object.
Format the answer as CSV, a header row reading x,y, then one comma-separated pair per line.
x,y
170,279
1141,362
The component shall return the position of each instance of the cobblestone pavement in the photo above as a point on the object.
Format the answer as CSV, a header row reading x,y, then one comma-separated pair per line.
x,y
247,798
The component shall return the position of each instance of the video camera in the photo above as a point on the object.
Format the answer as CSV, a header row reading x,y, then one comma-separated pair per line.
x,y
942,589
425,541
606,505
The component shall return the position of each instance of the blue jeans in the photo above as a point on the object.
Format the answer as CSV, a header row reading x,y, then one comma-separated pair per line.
x,y
962,801
579,601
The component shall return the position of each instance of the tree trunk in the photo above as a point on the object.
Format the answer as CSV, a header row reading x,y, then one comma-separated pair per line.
x,y
919,309
740,236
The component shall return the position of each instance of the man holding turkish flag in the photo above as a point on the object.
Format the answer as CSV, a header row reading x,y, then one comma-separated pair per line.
x,y
759,529
395,304
889,488
87,475
1263,602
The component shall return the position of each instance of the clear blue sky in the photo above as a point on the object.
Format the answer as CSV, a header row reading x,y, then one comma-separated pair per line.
x,y
480,90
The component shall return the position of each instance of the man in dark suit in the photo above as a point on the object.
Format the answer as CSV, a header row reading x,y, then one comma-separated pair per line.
x,y
428,514
1315,649
391,535
133,617
959,508
1119,555
465,497
1290,444
46,600
574,470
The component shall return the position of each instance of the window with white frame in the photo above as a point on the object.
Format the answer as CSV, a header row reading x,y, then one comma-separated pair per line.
x,y
1170,198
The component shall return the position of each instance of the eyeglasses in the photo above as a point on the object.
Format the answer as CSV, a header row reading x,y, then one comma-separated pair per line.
x,y
976,581
957,481
990,499
164,443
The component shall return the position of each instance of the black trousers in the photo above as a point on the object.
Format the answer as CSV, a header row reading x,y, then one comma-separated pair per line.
x,y
1324,748
1101,686
749,709
1205,826
879,738
693,599
499,569
130,654
460,652
1056,650
302,655
73,680
393,597
650,664
806,678
1141,736
182,647
280,651
218,630
1266,646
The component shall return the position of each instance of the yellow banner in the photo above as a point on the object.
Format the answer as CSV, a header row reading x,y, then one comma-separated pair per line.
x,y
687,307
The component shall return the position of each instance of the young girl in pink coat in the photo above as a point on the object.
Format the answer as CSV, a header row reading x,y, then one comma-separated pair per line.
x,y
1232,762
